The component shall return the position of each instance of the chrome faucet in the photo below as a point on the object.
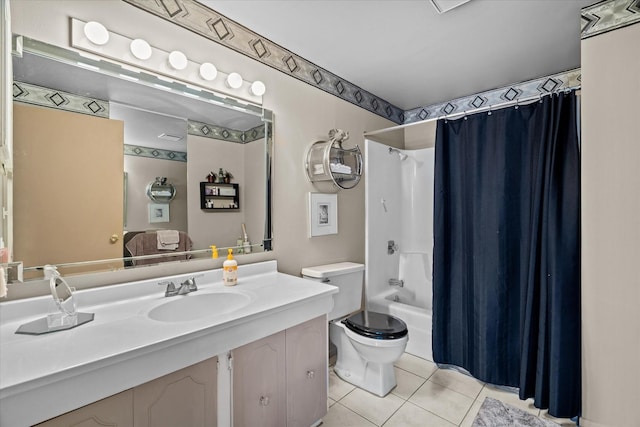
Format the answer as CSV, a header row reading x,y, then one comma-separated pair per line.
x,y
185,288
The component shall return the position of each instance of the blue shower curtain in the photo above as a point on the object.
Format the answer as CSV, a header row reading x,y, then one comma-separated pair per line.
x,y
506,274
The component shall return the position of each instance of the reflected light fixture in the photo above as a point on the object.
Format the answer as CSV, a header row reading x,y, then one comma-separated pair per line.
x,y
258,88
178,60
140,49
208,71
169,137
234,80
96,33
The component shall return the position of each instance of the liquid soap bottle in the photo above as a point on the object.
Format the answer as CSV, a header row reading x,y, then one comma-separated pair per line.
x,y
230,270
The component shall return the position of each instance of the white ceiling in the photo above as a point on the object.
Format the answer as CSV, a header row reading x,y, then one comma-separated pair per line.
x,y
409,55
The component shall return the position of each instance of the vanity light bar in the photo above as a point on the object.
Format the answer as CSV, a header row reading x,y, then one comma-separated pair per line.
x,y
234,81
258,88
96,33
93,37
117,69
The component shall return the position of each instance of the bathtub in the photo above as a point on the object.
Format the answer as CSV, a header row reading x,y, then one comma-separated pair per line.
x,y
398,303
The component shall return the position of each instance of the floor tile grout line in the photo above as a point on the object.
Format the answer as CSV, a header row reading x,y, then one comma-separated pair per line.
x,y
394,412
414,392
417,375
471,407
351,410
434,414
350,391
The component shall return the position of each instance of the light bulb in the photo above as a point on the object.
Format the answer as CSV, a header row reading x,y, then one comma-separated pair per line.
x,y
140,49
96,33
258,88
178,60
208,71
234,80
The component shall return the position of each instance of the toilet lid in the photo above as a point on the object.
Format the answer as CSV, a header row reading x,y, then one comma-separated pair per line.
x,y
376,325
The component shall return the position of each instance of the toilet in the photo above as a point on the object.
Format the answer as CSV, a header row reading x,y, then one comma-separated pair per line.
x,y
368,343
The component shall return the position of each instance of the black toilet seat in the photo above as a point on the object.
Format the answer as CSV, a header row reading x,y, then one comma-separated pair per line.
x,y
376,325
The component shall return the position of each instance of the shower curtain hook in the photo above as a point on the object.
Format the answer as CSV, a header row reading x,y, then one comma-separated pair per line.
x,y
540,98
489,113
517,104
465,114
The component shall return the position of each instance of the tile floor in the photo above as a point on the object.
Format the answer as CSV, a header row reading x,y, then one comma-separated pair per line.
x,y
424,396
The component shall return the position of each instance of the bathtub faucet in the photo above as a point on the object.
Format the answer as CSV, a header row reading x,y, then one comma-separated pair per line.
x,y
396,282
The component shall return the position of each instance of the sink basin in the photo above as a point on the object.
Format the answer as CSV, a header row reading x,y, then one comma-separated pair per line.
x,y
195,306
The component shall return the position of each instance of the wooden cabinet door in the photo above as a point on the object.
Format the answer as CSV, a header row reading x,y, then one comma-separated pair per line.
x,y
187,397
259,384
114,411
307,372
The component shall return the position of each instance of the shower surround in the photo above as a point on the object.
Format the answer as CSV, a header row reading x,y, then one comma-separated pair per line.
x,y
399,238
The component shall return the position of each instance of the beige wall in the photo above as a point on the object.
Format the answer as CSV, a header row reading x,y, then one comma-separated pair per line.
x,y
611,228
140,172
303,114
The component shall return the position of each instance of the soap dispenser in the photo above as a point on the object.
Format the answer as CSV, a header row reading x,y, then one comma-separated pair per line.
x,y
230,270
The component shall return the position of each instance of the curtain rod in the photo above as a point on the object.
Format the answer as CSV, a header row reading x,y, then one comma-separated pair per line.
x,y
528,100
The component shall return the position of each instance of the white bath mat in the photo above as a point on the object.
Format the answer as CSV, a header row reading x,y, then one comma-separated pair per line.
x,y
494,413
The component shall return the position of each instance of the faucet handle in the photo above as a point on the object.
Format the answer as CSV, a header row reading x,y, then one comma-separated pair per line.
x,y
191,283
171,288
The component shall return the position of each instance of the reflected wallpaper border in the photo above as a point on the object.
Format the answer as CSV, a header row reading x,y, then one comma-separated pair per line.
x,y
60,100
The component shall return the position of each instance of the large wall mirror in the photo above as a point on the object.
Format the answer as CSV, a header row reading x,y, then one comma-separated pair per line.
x,y
91,135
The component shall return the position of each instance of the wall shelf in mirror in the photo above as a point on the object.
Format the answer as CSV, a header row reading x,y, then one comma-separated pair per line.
x,y
160,190
217,197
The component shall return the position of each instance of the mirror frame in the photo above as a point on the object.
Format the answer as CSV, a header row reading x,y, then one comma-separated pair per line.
x,y
108,67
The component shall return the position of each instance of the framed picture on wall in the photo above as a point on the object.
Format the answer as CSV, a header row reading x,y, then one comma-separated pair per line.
x,y
323,214
158,212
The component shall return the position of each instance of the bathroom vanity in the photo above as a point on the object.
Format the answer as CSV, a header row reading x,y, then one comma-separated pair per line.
x,y
257,350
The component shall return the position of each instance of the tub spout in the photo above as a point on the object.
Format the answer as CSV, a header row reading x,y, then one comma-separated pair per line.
x,y
396,282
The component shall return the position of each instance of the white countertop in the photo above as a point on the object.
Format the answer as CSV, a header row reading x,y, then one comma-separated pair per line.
x,y
46,375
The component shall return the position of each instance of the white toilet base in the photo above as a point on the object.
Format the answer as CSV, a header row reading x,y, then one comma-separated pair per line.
x,y
378,378
351,366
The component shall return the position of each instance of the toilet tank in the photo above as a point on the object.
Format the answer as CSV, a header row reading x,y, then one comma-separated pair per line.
x,y
348,277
